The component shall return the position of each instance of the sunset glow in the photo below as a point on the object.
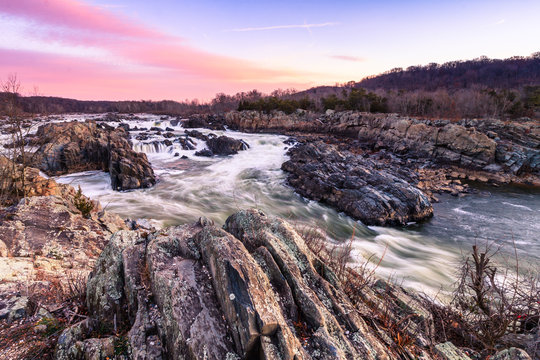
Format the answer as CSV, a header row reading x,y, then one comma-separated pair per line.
x,y
178,50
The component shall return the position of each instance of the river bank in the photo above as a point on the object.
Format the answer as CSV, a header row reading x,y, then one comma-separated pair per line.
x,y
193,192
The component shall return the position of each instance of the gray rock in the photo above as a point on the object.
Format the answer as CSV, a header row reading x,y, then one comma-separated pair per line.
x,y
353,185
511,354
74,146
448,351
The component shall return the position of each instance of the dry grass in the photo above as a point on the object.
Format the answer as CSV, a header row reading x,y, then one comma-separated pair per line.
x,y
65,303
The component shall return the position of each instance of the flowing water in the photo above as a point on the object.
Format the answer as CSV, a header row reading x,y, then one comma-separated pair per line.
x,y
423,256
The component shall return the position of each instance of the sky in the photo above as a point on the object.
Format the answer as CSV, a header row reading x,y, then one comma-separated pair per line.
x,y
177,50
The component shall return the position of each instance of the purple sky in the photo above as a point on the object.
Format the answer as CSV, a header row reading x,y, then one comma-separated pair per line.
x,y
119,49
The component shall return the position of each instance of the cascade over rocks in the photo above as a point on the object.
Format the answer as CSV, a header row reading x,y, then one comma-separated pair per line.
x,y
75,146
362,188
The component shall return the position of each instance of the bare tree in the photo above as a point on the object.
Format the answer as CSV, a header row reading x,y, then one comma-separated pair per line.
x,y
12,87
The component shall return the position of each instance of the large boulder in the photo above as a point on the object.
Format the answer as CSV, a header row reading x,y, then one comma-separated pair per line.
x,y
224,145
75,146
354,185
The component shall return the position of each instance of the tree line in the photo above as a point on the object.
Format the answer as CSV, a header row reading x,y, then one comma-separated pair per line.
x,y
482,87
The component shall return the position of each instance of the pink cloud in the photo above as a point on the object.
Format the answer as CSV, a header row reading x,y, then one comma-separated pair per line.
x,y
76,15
88,80
143,62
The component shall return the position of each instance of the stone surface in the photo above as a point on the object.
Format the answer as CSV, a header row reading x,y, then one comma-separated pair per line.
x,y
448,351
75,146
503,152
511,354
224,145
252,290
355,185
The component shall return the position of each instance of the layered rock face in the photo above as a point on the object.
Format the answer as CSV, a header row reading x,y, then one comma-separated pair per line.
x,y
252,290
46,241
491,146
370,191
72,147
13,188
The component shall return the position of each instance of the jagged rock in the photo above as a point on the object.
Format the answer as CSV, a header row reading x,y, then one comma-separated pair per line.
x,y
513,155
69,345
183,291
448,351
353,185
52,226
168,135
252,291
335,326
12,188
204,152
105,287
186,143
511,354
75,146
257,324
196,134
224,145
14,308
204,121
46,239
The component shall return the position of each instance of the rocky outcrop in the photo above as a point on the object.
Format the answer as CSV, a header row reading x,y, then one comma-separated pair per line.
x,y
214,122
506,152
72,147
14,186
224,145
367,190
252,290
51,233
47,248
218,145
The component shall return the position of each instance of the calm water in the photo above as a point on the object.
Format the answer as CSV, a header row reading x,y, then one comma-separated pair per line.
x,y
422,256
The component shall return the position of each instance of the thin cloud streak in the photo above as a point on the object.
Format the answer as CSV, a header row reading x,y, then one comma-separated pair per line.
x,y
348,58
280,27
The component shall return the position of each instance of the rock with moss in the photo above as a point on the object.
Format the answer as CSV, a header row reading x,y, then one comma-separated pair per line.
x,y
511,354
252,290
448,351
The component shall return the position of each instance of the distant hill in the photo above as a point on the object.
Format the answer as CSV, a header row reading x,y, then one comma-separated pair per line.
x,y
508,88
58,105
514,72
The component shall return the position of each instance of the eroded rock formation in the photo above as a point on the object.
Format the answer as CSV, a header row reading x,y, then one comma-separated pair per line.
x,y
75,146
252,290
370,191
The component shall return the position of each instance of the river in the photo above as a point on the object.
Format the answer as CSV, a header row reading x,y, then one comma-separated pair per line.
x,y
421,256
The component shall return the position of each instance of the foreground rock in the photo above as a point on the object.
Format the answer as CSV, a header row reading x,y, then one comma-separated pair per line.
x,y
252,290
72,147
362,188
50,234
48,245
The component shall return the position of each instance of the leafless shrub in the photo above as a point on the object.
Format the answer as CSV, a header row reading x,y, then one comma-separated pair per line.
x,y
353,278
491,302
